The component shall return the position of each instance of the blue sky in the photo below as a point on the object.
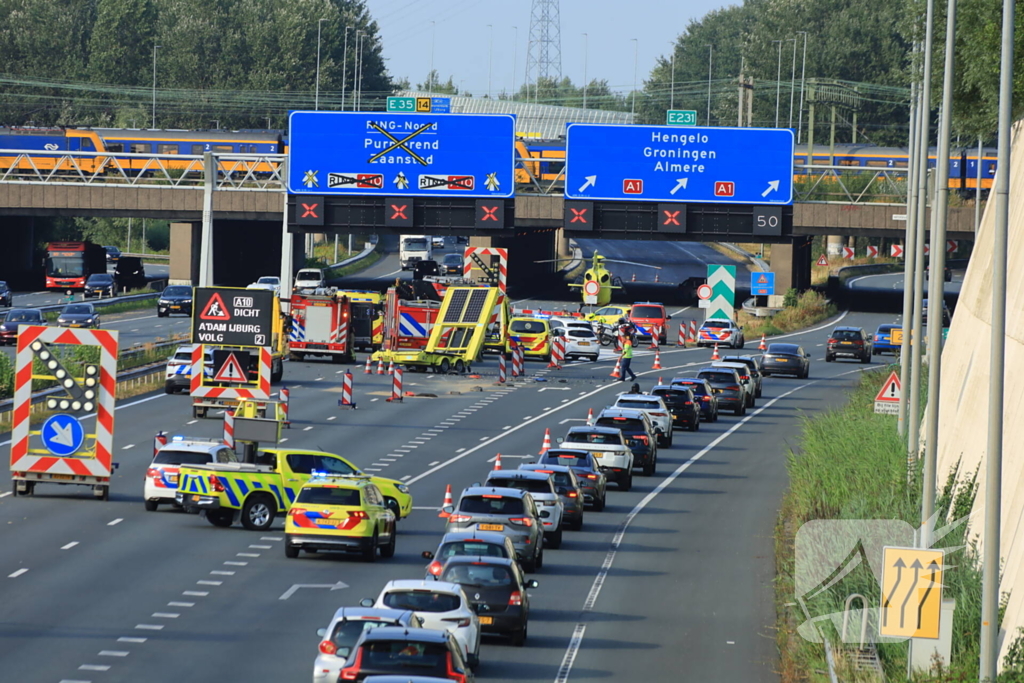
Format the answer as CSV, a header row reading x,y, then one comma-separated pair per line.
x,y
462,38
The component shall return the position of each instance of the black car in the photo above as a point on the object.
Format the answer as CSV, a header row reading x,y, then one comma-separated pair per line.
x,y
422,269
451,264
400,651
113,254
497,591
19,316
682,404
728,387
174,299
753,364
569,489
79,315
130,273
639,432
946,320
786,359
593,481
703,394
99,284
6,295
848,342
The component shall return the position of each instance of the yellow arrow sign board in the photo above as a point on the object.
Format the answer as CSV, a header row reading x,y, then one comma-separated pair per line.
x,y
911,592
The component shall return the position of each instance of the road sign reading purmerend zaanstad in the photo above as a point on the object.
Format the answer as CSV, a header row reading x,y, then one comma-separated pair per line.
x,y
669,164
232,316
401,155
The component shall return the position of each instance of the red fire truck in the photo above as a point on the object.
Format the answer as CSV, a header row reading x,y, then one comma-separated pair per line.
x,y
321,325
69,264
407,324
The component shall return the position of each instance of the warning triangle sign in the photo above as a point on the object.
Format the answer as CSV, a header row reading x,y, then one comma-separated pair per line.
x,y
822,261
891,390
762,280
215,309
231,370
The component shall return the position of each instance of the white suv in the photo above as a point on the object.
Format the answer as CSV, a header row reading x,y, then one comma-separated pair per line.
x,y
655,408
178,375
721,331
609,447
161,483
309,278
542,489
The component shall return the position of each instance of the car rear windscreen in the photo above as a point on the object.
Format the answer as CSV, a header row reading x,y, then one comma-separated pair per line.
x,y
647,312
478,575
527,327
626,424
672,395
719,377
580,333
637,405
593,437
317,495
786,349
567,459
423,601
717,324
846,335
479,505
480,548
400,656
531,485
697,388
168,456
348,631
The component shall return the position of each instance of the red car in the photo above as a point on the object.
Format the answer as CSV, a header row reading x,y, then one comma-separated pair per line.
x,y
648,317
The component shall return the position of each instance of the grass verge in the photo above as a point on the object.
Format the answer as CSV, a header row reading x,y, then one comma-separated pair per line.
x,y
353,268
820,274
802,311
851,465
122,307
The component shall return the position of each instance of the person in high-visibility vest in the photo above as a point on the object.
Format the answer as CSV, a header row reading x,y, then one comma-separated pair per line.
x,y
627,357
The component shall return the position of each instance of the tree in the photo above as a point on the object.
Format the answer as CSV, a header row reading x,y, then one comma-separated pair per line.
x,y
121,45
433,84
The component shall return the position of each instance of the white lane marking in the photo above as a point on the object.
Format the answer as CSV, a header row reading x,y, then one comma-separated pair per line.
x,y
332,417
94,667
407,477
373,399
460,450
595,588
283,440
5,494
129,639
306,429
270,538
730,642
396,455
433,463
438,431
229,563
572,419
197,594
425,508
412,445
165,615
389,460
485,438
69,546
113,653
181,604
261,547
318,379
125,448
116,521
507,427
373,469
150,627
210,583
247,554
73,680
191,422
17,573
222,572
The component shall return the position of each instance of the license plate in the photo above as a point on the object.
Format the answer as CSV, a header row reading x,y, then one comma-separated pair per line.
x,y
718,391
846,343
490,527
584,343
66,477
175,308
781,360
486,621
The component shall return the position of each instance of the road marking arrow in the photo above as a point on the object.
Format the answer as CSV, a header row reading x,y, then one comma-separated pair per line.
x,y
773,186
591,180
680,185
291,591
63,435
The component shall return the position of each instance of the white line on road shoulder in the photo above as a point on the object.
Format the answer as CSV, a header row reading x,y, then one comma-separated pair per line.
x,y
69,546
115,522
18,573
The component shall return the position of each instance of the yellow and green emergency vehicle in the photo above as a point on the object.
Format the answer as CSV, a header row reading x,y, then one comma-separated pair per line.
x,y
533,334
344,513
255,493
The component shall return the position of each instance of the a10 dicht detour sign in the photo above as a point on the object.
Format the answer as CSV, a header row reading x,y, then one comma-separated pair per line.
x,y
911,592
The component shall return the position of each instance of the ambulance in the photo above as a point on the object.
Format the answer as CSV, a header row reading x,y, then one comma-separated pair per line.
x,y
533,334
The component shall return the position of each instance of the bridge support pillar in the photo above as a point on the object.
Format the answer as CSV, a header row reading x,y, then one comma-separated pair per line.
x,y
20,268
791,264
834,245
524,250
185,237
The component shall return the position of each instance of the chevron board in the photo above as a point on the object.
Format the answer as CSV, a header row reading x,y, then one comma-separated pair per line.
x,y
723,291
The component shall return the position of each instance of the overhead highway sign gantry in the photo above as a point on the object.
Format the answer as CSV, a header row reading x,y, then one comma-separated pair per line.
x,y
670,164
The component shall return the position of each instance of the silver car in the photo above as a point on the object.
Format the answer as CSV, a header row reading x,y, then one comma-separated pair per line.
x,y
480,543
345,629
510,512
542,489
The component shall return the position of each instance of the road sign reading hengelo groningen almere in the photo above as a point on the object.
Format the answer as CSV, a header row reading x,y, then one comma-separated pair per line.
x,y
401,155
232,316
672,164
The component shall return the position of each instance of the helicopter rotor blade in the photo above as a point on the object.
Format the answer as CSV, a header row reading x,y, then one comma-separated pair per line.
x,y
554,260
633,263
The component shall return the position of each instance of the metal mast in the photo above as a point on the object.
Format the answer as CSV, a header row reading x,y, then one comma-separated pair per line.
x,y
544,55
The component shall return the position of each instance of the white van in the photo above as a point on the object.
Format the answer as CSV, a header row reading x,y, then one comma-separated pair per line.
x,y
309,278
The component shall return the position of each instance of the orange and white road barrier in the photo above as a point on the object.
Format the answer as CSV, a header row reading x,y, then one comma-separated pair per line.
x,y
286,400
502,370
447,502
159,441
546,446
346,392
655,337
681,341
396,386
229,429
692,337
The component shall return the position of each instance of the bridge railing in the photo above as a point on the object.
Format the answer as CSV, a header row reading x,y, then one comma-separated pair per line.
x,y
240,172
814,184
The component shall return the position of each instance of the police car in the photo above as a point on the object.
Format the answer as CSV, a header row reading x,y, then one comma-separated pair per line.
x,y
178,375
345,513
161,483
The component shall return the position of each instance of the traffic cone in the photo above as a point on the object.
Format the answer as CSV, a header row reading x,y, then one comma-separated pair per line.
x,y
714,355
497,461
656,278
763,346
391,367
633,278
590,416
369,368
447,501
660,382
380,367
657,360
546,446
617,372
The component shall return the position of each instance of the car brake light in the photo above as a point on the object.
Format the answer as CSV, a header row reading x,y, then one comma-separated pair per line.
x,y
733,387
659,414
878,337
619,419
858,342
706,399
572,494
461,622
744,377
459,518
153,473
688,403
516,598
358,514
215,484
522,521
328,647
545,471
452,673
350,673
641,438
831,340
434,568
590,476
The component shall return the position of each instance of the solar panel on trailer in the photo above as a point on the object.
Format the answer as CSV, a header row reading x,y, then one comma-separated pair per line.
x,y
455,305
475,308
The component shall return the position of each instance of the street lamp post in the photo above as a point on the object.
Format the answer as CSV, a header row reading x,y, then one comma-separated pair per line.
x,y
344,66
153,117
672,86
803,72
778,83
586,53
357,85
430,76
316,97
515,57
490,56
636,51
792,83
711,52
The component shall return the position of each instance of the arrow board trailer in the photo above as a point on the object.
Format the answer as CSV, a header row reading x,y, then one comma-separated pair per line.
x,y
75,445
321,326
670,164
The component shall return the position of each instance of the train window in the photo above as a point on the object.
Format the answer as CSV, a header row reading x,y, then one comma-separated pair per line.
x,y
198,149
87,145
115,147
821,161
221,148
167,149
900,164
849,162
876,163
140,148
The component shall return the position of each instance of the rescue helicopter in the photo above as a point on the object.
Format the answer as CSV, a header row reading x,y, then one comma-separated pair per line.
x,y
597,281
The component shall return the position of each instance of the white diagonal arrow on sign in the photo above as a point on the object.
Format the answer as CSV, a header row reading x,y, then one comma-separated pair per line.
x,y
680,185
591,180
63,435
773,186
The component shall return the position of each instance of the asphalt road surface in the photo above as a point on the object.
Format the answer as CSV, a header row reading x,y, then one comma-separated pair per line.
x,y
673,576
890,282
154,271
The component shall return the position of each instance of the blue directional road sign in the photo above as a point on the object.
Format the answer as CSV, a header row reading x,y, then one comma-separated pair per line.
x,y
669,164
762,284
62,434
395,155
